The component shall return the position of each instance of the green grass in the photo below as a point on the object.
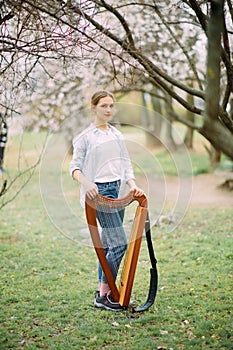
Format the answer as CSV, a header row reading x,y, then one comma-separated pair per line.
x,y
48,282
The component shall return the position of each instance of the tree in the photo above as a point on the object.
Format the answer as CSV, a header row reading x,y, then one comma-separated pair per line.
x,y
142,37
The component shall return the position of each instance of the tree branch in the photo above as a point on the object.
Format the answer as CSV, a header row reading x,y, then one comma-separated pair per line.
x,y
229,3
229,86
200,15
185,52
122,21
7,17
136,54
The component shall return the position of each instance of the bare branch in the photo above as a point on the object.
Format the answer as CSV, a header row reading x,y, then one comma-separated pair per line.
x,y
144,61
30,170
3,189
122,21
6,18
192,66
200,15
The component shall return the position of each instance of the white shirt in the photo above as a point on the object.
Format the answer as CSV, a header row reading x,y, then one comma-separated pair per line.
x,y
107,157
102,157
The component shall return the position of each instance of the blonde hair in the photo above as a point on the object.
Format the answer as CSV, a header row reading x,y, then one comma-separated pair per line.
x,y
98,95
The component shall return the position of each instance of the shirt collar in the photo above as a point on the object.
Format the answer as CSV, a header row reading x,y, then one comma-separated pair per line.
x,y
97,130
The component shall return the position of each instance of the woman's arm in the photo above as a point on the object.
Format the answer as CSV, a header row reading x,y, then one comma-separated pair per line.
x,y
90,188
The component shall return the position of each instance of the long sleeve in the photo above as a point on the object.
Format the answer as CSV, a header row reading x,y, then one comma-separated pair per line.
x,y
79,153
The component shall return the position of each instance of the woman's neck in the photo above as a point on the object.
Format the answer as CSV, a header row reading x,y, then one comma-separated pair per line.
x,y
102,126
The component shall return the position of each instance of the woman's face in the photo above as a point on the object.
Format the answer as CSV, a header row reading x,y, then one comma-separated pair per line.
x,y
104,110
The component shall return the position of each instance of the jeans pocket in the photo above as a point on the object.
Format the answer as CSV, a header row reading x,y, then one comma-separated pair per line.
x,y
102,188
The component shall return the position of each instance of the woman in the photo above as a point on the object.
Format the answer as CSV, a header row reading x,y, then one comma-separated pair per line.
x,y
101,165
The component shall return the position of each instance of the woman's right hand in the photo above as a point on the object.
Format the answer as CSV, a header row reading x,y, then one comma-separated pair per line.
x,y
91,190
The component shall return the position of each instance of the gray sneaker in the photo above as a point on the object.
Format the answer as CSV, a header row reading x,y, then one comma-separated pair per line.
x,y
107,303
97,294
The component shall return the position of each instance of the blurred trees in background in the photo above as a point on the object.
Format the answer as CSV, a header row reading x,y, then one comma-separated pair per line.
x,y
54,54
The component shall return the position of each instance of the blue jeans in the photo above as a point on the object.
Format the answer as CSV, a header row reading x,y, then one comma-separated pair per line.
x,y
113,235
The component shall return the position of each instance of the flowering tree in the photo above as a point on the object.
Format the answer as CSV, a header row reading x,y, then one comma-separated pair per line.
x,y
140,44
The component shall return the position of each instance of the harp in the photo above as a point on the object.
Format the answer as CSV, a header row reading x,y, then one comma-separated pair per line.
x,y
122,292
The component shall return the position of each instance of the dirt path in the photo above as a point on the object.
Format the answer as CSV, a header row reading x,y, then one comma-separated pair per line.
x,y
202,190
207,191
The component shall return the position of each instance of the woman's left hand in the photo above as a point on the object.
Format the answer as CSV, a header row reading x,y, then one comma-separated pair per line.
x,y
138,192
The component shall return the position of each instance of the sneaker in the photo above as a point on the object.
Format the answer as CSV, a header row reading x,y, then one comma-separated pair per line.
x,y
107,303
97,294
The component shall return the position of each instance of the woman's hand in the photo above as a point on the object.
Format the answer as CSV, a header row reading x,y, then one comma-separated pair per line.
x,y
90,188
138,192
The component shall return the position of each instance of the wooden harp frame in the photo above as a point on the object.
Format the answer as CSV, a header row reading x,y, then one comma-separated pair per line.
x,y
122,293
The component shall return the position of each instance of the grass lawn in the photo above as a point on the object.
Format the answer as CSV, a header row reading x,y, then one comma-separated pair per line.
x,y
48,281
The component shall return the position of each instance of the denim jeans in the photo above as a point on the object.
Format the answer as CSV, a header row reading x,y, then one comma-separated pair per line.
x,y
113,235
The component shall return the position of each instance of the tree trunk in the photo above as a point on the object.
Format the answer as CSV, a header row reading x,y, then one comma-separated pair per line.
x,y
145,122
168,141
215,157
152,129
188,140
215,28
219,136
154,138
231,108
145,117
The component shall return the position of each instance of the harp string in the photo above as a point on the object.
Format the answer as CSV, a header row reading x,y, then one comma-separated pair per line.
x,y
113,236
110,214
109,206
